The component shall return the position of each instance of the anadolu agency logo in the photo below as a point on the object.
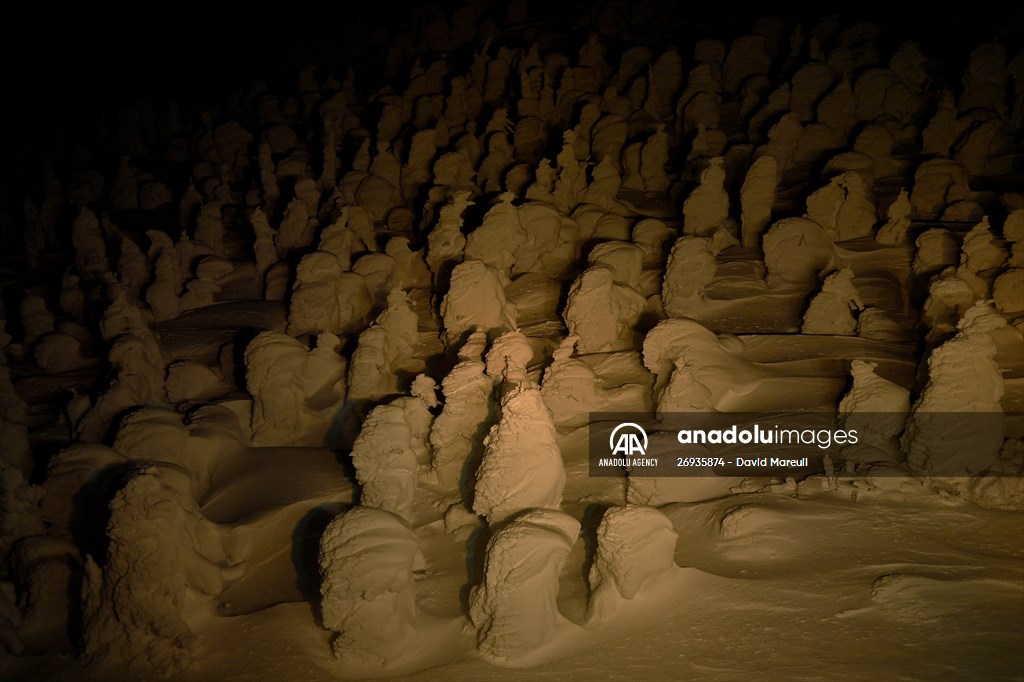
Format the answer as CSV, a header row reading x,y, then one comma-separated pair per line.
x,y
628,439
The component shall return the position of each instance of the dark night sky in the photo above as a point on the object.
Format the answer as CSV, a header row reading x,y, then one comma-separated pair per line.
x,y
66,64
164,51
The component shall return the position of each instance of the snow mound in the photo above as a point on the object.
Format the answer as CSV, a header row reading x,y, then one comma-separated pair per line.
x,y
522,465
367,557
634,545
514,610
